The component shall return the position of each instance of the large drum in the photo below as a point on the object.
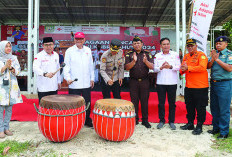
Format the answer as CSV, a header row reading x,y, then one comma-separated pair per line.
x,y
61,117
114,119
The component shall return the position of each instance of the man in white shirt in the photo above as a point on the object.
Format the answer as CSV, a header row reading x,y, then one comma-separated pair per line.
x,y
96,61
79,65
97,52
166,64
45,64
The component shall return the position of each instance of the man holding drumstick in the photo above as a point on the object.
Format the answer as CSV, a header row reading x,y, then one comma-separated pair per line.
x,y
112,70
79,65
44,66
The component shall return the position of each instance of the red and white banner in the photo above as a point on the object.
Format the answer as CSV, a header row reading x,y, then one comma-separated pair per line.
x,y
84,29
94,35
201,18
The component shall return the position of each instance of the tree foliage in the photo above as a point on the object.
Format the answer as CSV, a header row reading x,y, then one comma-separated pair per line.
x,y
228,27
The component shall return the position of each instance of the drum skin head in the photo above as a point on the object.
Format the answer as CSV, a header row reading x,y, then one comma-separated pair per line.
x,y
62,102
114,105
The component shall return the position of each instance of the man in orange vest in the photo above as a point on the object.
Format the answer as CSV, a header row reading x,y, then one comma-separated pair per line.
x,y
194,65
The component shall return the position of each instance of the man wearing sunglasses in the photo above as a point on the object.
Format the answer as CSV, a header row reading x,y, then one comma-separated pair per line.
x,y
112,70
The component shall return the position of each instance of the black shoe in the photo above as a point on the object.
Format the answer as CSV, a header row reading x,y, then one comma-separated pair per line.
x,y
197,131
172,126
137,122
213,132
188,126
222,136
146,124
88,122
160,125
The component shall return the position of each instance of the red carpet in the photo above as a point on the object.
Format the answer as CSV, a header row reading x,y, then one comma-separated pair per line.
x,y
26,112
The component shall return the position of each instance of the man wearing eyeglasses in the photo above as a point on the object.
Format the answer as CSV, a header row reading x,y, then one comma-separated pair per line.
x,y
194,65
112,70
79,66
45,64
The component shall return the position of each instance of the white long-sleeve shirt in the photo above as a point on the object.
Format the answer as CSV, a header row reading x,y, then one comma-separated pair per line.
x,y
79,64
43,62
167,76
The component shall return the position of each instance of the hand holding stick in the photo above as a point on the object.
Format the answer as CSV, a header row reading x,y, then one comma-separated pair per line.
x,y
62,65
71,81
114,69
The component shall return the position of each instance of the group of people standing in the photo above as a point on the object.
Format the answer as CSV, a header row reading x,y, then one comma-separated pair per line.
x,y
195,65
79,74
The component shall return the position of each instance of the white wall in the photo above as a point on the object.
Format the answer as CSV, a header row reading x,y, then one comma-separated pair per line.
x,y
171,34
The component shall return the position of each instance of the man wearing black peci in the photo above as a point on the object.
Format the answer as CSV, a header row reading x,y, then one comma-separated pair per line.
x,y
45,64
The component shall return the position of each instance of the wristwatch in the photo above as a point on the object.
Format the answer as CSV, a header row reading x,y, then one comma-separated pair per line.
x,y
44,74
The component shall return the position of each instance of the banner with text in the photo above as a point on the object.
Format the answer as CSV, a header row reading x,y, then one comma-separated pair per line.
x,y
201,18
94,35
103,35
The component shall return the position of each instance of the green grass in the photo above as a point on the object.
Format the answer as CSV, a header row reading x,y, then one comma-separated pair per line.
x,y
200,155
225,144
15,147
18,149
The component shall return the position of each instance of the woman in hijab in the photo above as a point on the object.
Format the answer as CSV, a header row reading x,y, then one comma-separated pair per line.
x,y
9,89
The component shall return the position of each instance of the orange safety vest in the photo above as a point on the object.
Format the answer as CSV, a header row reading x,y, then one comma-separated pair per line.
x,y
196,75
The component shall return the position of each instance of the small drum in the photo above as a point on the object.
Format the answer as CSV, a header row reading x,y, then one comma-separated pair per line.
x,y
114,119
61,117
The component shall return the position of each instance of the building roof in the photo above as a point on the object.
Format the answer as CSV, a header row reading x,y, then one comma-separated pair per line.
x,y
106,12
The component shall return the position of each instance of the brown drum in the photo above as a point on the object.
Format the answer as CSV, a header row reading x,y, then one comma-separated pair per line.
x,y
114,119
61,117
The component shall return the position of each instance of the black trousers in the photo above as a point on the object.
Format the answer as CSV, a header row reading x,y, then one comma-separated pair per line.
x,y
106,89
86,93
42,94
170,90
139,91
196,99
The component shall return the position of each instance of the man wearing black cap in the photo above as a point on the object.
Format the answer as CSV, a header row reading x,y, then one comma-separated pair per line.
x,y
139,62
221,87
112,70
194,66
45,64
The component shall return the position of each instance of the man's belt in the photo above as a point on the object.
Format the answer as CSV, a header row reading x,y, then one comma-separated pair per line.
x,y
139,79
220,80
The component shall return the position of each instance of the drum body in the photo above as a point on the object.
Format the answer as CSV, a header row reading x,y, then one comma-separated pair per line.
x,y
114,119
61,117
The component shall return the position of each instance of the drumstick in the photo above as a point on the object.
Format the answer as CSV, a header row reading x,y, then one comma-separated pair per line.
x,y
74,80
112,77
114,69
62,65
